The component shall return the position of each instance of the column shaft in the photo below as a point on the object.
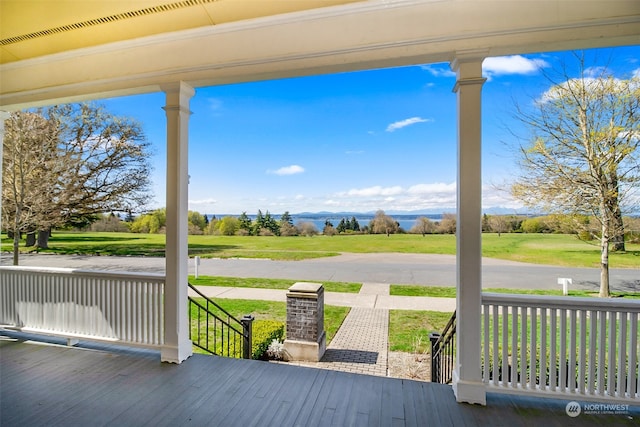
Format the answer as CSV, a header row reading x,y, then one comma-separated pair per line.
x,y
467,381
177,346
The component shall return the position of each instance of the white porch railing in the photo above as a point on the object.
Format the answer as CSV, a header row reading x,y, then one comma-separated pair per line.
x,y
99,305
563,347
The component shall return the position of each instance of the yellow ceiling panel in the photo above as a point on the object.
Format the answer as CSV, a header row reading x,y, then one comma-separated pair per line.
x,y
106,33
32,28
236,10
19,17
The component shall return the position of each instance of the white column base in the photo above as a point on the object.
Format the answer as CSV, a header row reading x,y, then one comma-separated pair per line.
x,y
173,354
469,392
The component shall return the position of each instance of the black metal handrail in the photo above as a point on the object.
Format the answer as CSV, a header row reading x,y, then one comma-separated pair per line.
x,y
443,352
216,331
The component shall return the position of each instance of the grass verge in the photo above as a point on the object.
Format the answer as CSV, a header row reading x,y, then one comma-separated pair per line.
x,y
244,282
450,292
275,310
409,329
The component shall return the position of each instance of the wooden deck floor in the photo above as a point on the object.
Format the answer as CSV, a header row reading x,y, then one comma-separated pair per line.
x,y
44,384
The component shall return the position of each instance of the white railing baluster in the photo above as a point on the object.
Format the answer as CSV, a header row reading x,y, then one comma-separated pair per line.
x,y
533,362
589,346
582,351
602,365
523,347
622,353
543,349
611,362
486,347
494,342
100,305
553,357
571,364
514,346
505,346
593,340
633,355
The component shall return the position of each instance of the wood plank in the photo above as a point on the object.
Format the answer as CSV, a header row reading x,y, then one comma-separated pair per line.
x,y
319,411
391,405
45,385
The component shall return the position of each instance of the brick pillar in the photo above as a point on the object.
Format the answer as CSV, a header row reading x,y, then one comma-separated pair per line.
x,y
306,338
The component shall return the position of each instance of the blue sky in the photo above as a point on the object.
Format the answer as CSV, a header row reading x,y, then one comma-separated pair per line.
x,y
357,142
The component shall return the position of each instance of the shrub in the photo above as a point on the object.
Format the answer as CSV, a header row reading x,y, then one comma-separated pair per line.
x,y
264,332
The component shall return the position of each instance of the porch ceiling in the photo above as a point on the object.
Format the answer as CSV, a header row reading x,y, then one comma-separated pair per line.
x,y
205,43
32,28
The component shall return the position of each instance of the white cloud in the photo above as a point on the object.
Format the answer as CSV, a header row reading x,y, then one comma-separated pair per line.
x,y
440,71
595,72
407,122
514,64
203,202
435,188
636,73
493,197
372,191
287,170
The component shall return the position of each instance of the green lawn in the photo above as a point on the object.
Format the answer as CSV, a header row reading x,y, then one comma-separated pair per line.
x,y
450,292
275,310
550,249
409,329
236,282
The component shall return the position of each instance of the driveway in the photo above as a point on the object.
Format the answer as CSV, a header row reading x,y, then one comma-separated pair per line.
x,y
418,269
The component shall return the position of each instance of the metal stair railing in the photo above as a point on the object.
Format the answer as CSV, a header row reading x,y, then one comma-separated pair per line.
x,y
443,352
215,331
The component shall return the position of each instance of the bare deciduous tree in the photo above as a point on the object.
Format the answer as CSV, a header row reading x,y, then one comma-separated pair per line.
x,y
383,223
66,164
29,164
423,226
499,224
582,157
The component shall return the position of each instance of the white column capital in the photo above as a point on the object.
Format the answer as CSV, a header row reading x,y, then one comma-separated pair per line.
x,y
467,57
178,95
468,68
178,87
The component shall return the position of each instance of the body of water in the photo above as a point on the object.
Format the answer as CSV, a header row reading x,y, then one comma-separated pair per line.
x,y
406,221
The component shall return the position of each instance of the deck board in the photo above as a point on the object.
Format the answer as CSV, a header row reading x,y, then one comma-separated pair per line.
x,y
48,385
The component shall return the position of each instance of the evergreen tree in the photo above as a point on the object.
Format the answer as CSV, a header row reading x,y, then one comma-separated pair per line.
x,y
271,224
245,223
342,226
286,218
258,224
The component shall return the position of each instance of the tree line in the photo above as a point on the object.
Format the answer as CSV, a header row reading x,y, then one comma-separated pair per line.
x,y
583,227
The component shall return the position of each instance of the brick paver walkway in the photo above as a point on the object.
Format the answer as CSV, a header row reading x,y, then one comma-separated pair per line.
x,y
361,344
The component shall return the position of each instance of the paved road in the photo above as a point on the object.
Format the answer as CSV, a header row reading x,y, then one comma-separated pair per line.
x,y
379,268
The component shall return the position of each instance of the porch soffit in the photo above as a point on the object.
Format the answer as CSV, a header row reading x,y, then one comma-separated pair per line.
x,y
33,28
290,42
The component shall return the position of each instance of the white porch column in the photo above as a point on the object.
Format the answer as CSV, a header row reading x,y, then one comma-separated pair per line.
x,y
467,375
177,346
